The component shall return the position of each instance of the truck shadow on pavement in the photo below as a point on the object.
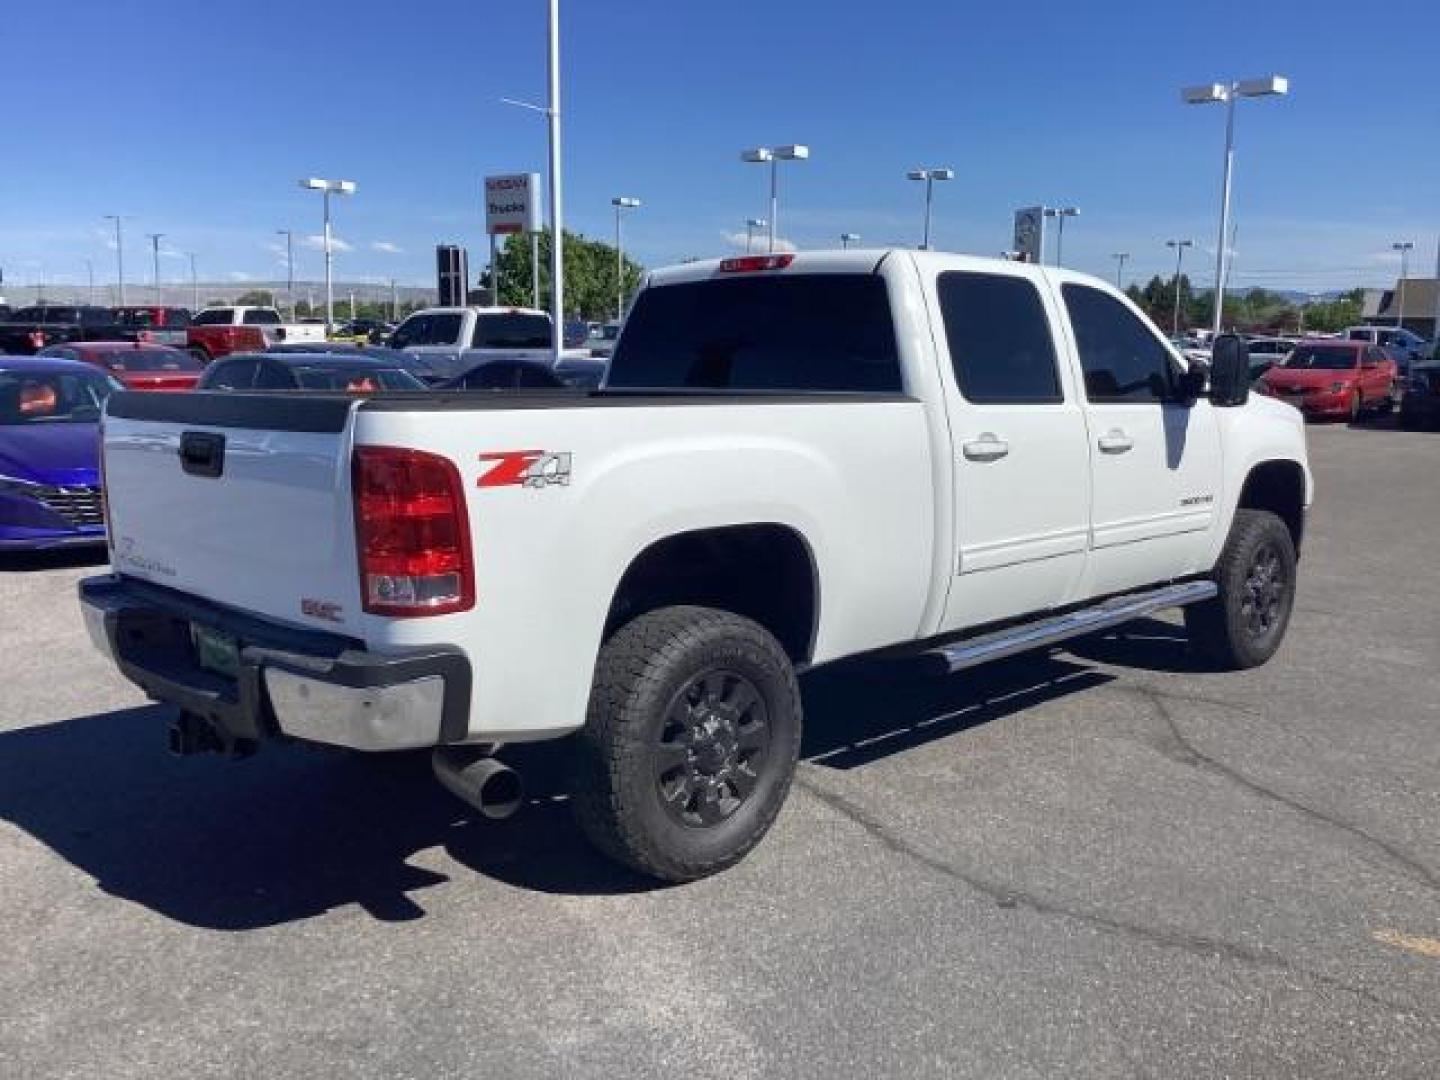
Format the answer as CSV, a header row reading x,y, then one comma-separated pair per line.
x,y
295,832
24,562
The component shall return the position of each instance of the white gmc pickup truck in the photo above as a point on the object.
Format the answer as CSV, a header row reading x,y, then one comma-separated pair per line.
x,y
795,459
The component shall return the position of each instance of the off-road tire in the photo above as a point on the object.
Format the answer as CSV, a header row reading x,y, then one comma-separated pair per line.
x,y
1231,631
644,672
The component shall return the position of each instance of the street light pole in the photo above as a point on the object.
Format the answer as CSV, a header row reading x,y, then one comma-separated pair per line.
x,y
751,224
1060,214
326,189
929,176
194,284
155,239
848,238
557,230
621,203
289,268
773,155
1404,248
1226,93
1179,246
90,276
119,259
1120,257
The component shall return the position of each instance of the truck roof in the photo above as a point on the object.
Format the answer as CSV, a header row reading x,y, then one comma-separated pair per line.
x,y
864,261
481,309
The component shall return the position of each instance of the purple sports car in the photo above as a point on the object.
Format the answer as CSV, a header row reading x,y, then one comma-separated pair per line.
x,y
49,452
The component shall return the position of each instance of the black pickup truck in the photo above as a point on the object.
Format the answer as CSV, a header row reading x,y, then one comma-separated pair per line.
x,y
30,329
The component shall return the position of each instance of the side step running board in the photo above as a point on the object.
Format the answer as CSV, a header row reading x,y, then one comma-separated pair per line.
x,y
1036,635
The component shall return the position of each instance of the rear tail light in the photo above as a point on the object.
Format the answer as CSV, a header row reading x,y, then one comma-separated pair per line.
x,y
746,264
412,533
37,339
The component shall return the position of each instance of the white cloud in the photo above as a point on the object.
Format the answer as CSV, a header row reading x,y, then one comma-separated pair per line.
x,y
316,242
758,244
387,247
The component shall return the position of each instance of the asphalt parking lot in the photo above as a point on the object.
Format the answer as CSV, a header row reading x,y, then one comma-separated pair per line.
x,y
1101,862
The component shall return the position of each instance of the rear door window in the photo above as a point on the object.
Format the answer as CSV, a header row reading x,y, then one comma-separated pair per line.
x,y
999,339
261,317
213,317
778,332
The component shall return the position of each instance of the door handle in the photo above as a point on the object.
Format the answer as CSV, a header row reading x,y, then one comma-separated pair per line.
x,y
1115,441
986,448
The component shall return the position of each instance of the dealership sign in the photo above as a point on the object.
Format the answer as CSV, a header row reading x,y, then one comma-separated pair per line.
x,y
1030,234
512,204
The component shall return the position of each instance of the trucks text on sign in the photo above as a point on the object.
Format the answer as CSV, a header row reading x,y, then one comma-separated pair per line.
x,y
512,204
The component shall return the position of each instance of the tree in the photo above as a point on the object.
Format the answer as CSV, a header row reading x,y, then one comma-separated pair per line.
x,y
256,298
590,282
1329,316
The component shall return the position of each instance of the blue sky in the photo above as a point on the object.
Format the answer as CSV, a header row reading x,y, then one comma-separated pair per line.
x,y
196,119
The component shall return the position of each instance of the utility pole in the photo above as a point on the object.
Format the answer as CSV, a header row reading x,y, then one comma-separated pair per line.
x,y
1120,257
90,276
195,286
155,238
289,268
1404,249
119,259
1179,246
394,303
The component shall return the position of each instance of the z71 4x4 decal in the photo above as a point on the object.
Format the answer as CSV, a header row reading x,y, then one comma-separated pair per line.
x,y
525,468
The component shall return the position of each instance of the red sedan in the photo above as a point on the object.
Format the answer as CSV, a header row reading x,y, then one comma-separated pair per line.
x,y
1331,378
137,364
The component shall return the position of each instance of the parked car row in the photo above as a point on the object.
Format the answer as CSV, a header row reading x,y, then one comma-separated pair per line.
x,y
51,402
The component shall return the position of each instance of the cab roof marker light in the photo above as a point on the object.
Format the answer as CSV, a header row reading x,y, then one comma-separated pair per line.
x,y
746,264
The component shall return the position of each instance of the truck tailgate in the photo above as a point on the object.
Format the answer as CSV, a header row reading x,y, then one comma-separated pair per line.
x,y
255,513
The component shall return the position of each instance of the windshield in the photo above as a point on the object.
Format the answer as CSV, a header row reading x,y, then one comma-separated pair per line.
x,y
148,360
512,330
1322,358
52,397
359,379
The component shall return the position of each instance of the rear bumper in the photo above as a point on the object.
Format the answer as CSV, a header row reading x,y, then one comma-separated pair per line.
x,y
289,682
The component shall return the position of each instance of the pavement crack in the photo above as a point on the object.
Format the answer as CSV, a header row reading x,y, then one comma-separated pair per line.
x,y
1004,896
1187,753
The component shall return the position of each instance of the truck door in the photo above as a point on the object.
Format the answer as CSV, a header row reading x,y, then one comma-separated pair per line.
x,y
1156,460
1022,476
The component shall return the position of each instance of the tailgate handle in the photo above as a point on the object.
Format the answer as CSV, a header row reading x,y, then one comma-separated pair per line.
x,y
202,453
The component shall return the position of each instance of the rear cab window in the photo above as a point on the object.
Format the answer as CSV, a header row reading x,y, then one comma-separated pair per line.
x,y
511,330
775,332
214,317
261,317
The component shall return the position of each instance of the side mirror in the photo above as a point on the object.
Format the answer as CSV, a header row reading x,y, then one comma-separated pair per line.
x,y
1229,371
1190,383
